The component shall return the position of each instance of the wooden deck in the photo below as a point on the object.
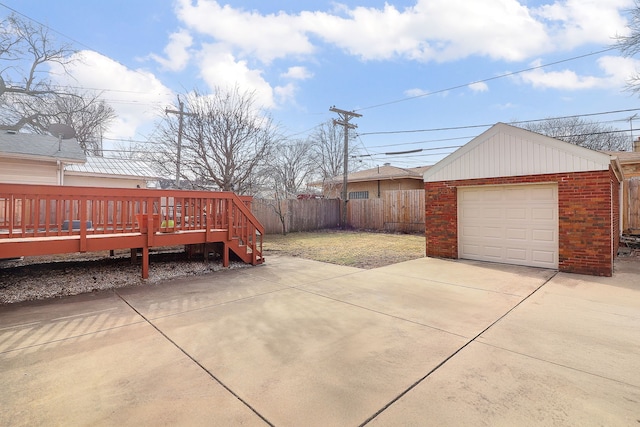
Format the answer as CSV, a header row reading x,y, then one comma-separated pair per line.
x,y
45,220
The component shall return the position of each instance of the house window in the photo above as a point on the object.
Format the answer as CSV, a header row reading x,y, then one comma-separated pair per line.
x,y
359,195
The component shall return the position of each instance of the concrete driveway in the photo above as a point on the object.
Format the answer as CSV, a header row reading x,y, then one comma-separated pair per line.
x,y
302,343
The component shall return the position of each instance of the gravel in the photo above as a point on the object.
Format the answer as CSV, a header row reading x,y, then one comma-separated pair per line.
x,y
35,278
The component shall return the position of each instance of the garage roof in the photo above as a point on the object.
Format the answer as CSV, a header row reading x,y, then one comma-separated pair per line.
x,y
113,167
505,150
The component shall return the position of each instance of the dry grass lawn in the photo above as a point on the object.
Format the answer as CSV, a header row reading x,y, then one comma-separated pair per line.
x,y
350,248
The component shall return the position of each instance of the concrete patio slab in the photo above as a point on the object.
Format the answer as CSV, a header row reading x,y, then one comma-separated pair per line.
x,y
294,271
503,278
28,325
461,310
194,293
296,342
303,359
122,375
574,322
488,386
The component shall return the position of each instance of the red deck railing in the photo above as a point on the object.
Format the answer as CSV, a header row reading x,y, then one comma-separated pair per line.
x,y
43,219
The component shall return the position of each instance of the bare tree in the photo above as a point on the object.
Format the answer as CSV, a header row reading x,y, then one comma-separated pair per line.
x,y
328,151
630,45
578,131
133,150
226,141
27,98
328,148
24,50
86,113
292,166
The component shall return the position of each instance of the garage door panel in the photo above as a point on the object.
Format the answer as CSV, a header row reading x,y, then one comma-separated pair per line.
x,y
543,194
543,256
470,232
493,232
492,196
512,224
514,194
516,254
547,213
473,250
543,236
492,213
494,252
516,234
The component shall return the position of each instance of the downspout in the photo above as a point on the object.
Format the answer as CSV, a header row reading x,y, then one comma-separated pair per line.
x,y
60,172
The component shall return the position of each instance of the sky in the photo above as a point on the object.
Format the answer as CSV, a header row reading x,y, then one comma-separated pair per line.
x,y
426,75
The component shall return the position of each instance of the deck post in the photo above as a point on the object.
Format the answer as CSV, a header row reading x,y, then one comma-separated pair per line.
x,y
225,254
83,224
145,262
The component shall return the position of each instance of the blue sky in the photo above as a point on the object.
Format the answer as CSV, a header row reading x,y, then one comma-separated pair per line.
x,y
404,65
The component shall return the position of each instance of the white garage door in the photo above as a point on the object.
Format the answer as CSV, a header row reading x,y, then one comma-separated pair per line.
x,y
516,224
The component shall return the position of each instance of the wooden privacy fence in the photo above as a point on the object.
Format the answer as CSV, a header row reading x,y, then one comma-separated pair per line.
x,y
399,211
634,204
299,215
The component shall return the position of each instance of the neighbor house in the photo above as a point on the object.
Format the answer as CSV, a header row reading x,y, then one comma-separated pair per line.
x,y
111,172
630,196
370,183
518,197
36,159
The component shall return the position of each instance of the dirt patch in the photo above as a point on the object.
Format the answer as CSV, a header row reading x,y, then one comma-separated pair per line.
x,y
350,248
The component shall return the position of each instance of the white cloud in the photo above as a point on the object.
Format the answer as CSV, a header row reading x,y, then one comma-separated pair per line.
x,y
286,93
574,23
297,73
220,69
479,87
615,72
415,92
265,37
177,51
440,30
619,69
248,41
136,95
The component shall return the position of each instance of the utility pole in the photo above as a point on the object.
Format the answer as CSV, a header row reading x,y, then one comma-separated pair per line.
x,y
345,116
181,115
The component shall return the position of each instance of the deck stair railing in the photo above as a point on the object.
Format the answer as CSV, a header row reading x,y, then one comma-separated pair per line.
x,y
42,219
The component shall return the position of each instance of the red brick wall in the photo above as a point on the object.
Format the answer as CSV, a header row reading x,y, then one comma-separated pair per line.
x,y
588,233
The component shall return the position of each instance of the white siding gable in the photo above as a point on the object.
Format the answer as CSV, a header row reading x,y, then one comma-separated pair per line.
x,y
505,150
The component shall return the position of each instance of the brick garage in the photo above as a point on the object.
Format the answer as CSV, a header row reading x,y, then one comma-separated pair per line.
x,y
585,183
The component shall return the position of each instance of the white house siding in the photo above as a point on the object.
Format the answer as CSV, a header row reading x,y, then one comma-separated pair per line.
x,y
18,171
95,181
505,151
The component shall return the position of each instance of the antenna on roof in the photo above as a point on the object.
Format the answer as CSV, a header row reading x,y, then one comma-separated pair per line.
x,y
62,131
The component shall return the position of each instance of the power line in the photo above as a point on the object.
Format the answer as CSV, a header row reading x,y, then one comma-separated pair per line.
x,y
491,124
513,73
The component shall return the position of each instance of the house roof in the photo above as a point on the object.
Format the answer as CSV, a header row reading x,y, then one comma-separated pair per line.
x,y
40,147
380,173
629,162
114,167
505,150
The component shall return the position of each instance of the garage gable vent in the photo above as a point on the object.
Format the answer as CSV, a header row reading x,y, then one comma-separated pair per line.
x,y
505,150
